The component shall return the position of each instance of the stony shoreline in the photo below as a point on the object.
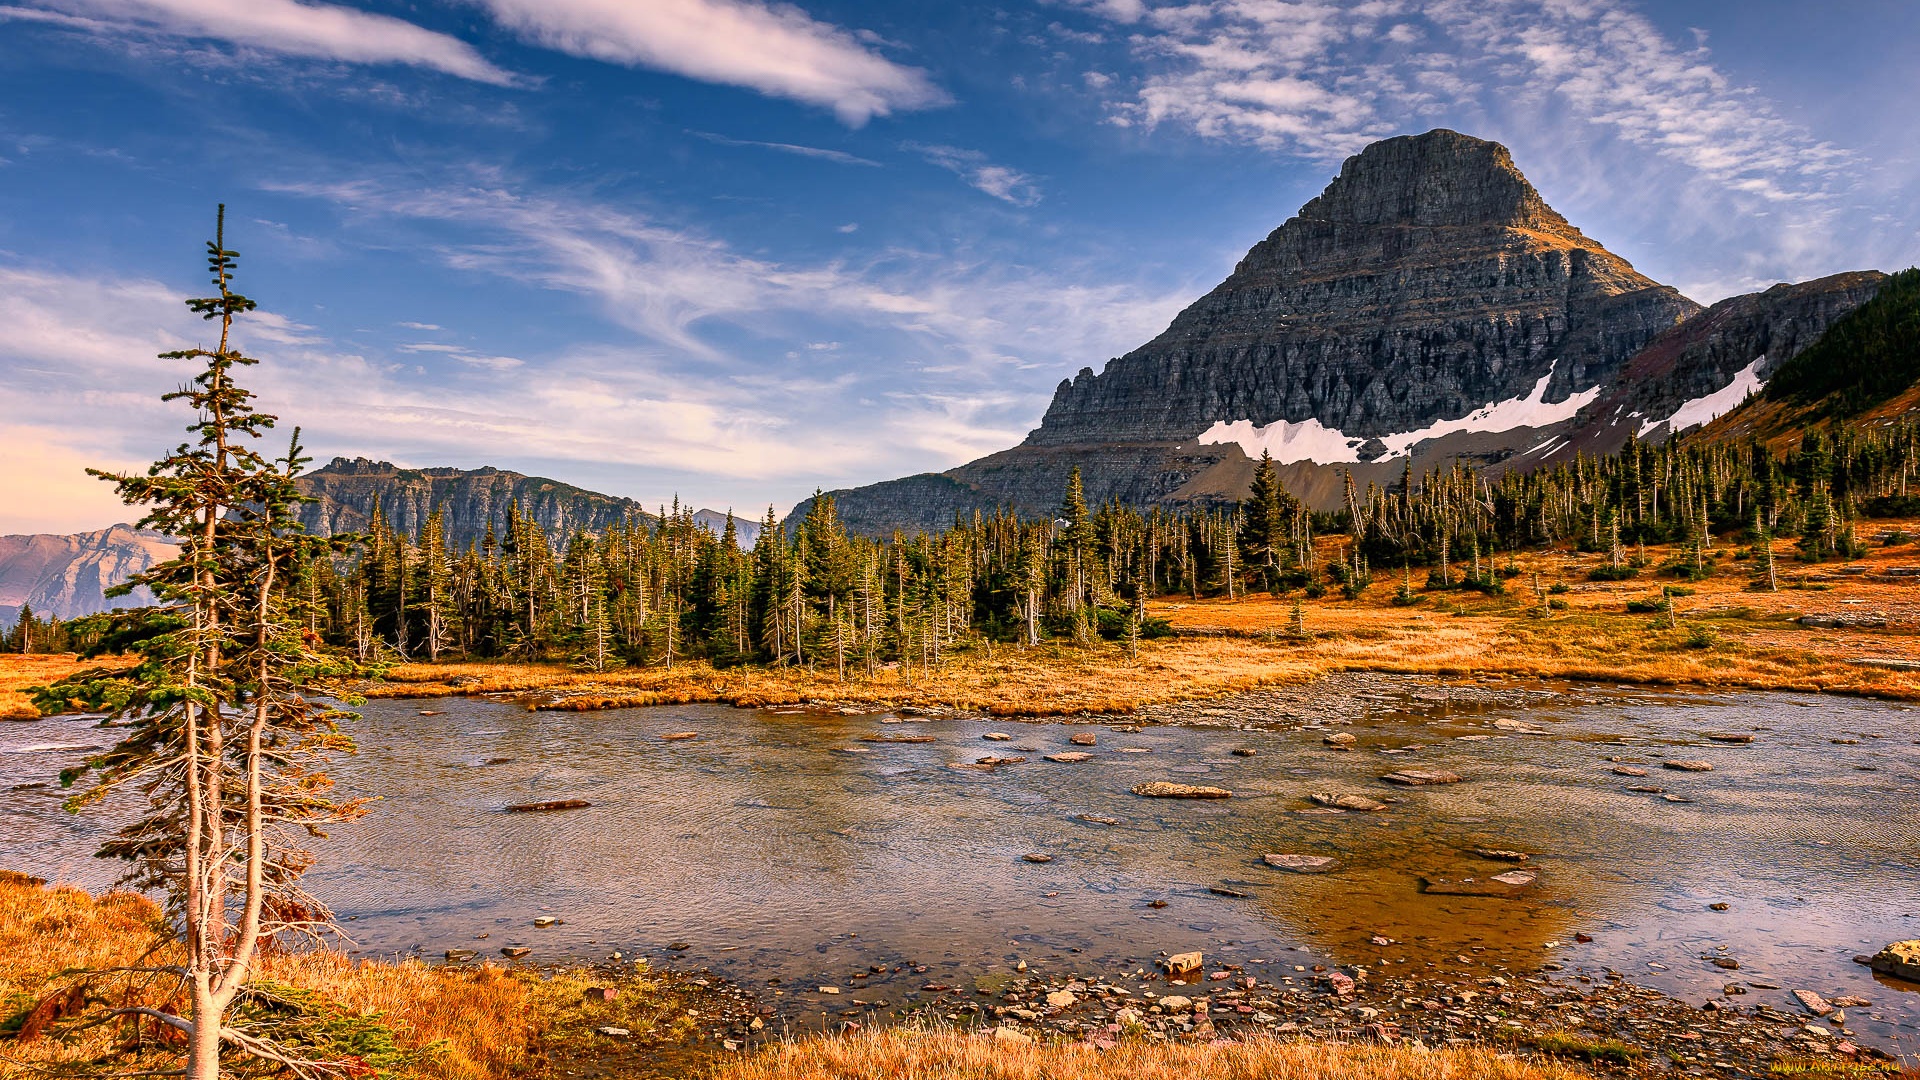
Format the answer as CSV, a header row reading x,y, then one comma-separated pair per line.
x,y
1595,1017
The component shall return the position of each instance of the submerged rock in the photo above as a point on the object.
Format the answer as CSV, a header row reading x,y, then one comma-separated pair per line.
x,y
1165,789
1302,864
884,738
1508,884
1344,801
1422,777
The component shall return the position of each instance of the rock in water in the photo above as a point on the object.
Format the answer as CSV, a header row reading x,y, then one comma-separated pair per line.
x,y
1163,789
1341,739
1347,802
884,738
1037,857
997,736
1421,777
1629,770
1508,884
1069,756
1731,738
551,804
1689,766
1084,738
1180,965
1900,960
676,736
1502,854
1812,1002
1302,864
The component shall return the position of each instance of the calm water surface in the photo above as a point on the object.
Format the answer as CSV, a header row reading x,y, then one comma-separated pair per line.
x,y
778,846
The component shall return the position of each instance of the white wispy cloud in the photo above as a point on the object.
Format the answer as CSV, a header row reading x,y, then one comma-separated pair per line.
x,y
777,50
288,27
837,156
1002,182
1322,78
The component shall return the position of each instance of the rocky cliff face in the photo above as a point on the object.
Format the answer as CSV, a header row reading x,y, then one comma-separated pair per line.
x,y
346,492
68,576
1428,304
1706,366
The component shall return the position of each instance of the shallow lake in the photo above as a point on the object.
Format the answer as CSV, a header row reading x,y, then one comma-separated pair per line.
x,y
780,846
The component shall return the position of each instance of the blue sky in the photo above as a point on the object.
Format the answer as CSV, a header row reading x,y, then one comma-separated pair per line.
x,y
735,251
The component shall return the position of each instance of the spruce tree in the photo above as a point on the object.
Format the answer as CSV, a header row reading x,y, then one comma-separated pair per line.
x,y
221,742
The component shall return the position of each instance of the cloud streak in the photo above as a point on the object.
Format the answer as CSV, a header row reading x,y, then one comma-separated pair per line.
x,y
776,50
1006,184
287,27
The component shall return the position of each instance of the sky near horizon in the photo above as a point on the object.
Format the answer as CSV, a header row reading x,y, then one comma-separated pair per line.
x,y
736,251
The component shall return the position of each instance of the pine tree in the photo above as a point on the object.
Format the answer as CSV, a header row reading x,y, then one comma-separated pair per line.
x,y
220,739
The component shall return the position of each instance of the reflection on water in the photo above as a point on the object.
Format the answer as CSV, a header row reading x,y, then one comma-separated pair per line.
x,y
781,846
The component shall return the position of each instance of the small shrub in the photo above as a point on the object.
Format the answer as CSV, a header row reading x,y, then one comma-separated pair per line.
x,y
1701,636
1606,572
1645,606
1557,588
1557,605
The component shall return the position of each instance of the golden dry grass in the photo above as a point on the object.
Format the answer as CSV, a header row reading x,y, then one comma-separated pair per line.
x,y
1726,637
469,1023
906,1054
17,672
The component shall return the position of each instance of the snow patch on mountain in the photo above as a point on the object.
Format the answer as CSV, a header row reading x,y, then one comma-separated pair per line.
x,y
1309,440
1705,410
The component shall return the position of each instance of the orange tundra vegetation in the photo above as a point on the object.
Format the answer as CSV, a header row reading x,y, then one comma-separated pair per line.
x,y
1858,638
402,1020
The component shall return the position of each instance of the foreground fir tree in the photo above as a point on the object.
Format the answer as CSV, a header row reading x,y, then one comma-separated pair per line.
x,y
222,745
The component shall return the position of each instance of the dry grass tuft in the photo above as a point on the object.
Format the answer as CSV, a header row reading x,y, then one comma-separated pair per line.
x,y
476,1023
905,1054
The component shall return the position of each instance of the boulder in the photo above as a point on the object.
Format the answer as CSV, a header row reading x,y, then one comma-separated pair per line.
x,y
1900,960
1009,1036
1084,738
1060,999
1183,964
1342,739
1174,1003
1165,789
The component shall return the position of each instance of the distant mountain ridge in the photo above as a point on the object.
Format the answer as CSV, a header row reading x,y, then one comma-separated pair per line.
x,y
66,577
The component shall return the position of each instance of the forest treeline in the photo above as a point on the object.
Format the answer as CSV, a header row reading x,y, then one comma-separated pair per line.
x,y
661,591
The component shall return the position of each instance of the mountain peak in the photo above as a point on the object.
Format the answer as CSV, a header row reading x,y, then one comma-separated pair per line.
x,y
1436,180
